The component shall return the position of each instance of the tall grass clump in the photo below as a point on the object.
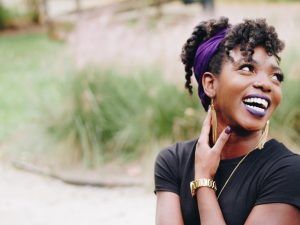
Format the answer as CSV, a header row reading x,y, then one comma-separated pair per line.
x,y
286,119
110,115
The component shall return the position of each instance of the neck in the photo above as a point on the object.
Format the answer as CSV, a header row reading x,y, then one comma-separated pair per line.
x,y
239,143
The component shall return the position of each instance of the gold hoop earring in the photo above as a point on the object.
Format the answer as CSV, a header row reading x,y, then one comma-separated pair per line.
x,y
214,121
264,136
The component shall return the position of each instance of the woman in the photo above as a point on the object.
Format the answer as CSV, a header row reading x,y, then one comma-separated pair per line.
x,y
232,174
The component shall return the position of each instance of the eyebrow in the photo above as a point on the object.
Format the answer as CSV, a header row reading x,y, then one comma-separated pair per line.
x,y
242,60
253,61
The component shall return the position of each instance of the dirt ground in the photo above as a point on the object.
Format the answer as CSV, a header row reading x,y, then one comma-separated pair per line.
x,y
30,199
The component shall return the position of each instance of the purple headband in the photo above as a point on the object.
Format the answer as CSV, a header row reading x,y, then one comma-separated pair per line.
x,y
202,58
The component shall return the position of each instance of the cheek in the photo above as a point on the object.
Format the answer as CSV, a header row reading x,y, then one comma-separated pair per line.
x,y
233,89
228,98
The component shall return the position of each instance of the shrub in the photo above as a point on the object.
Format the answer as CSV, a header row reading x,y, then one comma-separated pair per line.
x,y
5,17
287,117
110,115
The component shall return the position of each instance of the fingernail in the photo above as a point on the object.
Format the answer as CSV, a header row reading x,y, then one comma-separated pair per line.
x,y
228,130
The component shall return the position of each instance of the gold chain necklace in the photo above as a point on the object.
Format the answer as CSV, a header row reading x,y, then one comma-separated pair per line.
x,y
259,145
231,174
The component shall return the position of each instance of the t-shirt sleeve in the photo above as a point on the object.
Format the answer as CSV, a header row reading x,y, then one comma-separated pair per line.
x,y
282,184
166,171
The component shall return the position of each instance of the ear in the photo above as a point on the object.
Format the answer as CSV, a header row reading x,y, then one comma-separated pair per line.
x,y
209,83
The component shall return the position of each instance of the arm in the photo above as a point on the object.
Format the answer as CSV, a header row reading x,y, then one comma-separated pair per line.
x,y
274,214
209,208
168,210
206,163
278,199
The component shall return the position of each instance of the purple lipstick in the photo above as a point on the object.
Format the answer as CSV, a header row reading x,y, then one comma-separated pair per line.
x,y
257,104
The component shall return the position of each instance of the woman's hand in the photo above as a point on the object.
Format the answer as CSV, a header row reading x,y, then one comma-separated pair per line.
x,y
207,159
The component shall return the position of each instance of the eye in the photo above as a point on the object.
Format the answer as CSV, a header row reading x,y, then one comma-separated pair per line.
x,y
278,76
246,68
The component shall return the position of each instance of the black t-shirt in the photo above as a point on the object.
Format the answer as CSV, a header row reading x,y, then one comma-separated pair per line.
x,y
270,175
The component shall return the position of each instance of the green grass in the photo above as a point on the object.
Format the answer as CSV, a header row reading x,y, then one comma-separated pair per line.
x,y
5,17
97,114
289,63
29,70
286,120
110,115
256,1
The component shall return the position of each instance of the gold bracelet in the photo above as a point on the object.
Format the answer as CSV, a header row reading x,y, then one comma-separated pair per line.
x,y
202,182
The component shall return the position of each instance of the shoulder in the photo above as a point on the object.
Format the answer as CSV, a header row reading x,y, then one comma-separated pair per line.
x,y
281,156
280,175
277,160
169,164
173,159
177,152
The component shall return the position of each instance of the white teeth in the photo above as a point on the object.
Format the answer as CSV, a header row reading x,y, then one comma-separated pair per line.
x,y
256,108
260,101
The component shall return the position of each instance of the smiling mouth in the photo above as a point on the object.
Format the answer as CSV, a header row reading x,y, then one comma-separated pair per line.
x,y
257,105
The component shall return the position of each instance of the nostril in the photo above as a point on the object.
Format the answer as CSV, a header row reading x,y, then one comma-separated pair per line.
x,y
263,86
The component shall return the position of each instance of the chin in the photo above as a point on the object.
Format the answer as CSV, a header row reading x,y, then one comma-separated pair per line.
x,y
249,126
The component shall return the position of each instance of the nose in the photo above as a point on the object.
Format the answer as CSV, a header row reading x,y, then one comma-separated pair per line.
x,y
263,83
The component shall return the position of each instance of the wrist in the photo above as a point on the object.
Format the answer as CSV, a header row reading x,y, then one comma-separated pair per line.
x,y
202,182
204,191
203,175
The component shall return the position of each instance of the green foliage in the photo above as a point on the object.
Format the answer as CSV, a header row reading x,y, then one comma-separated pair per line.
x,y
13,17
34,13
256,1
5,17
286,119
289,63
115,115
30,67
109,115
106,114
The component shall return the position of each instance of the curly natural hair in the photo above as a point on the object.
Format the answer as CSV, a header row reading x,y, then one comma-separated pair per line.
x,y
247,35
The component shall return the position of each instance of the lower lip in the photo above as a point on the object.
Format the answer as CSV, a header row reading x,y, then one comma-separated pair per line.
x,y
255,112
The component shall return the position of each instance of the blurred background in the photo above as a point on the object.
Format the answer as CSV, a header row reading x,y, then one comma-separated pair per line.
x,y
91,90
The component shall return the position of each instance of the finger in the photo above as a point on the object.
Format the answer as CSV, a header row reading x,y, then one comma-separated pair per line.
x,y
223,138
204,135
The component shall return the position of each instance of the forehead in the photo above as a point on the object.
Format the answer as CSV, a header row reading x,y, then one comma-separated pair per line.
x,y
259,56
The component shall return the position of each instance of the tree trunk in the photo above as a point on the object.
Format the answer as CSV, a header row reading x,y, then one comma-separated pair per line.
x,y
78,6
158,4
43,9
38,10
33,10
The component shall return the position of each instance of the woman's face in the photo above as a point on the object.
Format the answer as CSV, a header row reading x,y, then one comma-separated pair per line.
x,y
247,93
